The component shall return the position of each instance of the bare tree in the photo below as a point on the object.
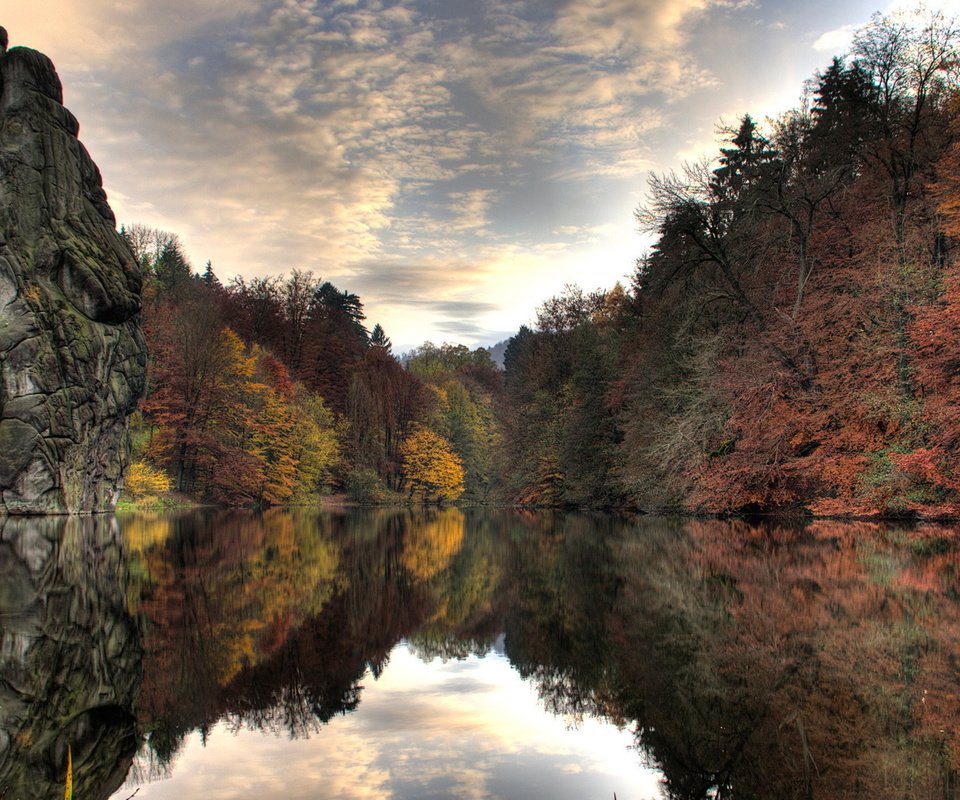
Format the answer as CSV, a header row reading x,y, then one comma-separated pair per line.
x,y
914,68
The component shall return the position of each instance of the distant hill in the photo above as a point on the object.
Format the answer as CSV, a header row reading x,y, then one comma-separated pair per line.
x,y
497,352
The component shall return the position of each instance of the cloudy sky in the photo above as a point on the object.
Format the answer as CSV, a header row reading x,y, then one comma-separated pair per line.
x,y
454,162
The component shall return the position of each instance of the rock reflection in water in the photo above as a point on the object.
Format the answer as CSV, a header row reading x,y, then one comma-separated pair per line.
x,y
749,661
69,657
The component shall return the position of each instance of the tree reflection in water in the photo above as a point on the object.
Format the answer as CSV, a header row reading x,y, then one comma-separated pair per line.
x,y
749,661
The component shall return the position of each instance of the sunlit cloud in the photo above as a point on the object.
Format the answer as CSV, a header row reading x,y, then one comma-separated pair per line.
x,y
836,41
410,149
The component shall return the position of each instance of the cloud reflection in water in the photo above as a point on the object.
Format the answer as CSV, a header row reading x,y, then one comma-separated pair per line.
x,y
469,728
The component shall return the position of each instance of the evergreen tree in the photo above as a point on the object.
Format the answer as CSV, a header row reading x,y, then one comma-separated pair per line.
x,y
210,280
741,165
330,300
845,115
380,339
171,268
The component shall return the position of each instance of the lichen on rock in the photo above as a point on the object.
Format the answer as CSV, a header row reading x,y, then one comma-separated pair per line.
x,y
72,355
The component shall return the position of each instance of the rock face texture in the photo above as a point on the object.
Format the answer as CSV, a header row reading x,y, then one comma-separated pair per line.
x,y
72,355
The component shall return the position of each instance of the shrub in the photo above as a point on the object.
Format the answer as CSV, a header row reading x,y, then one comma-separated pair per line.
x,y
144,480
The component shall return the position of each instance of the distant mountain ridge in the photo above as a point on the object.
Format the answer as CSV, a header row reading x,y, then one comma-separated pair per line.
x,y
498,351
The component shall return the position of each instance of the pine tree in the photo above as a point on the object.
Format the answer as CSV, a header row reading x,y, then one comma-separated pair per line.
x,y
380,339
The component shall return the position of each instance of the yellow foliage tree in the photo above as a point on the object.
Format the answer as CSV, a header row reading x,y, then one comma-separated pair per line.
x,y
274,443
431,468
144,480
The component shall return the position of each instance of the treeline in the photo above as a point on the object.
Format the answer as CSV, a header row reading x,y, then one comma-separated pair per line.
x,y
272,391
791,340
789,343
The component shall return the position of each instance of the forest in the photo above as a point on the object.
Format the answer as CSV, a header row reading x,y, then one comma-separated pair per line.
x,y
790,343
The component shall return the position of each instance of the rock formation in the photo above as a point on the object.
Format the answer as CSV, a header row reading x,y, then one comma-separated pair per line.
x,y
72,355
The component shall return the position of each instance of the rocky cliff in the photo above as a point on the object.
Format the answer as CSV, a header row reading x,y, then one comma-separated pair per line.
x,y
72,356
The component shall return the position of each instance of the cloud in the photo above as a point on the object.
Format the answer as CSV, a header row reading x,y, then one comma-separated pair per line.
x,y
950,8
836,42
451,308
463,320
465,330
608,27
470,209
89,35
389,148
584,79
584,233
286,148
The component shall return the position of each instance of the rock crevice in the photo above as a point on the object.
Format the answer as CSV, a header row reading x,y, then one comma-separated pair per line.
x,y
72,355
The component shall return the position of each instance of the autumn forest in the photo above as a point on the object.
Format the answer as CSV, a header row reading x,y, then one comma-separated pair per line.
x,y
790,342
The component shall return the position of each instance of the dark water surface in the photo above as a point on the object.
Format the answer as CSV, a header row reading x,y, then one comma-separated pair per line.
x,y
450,654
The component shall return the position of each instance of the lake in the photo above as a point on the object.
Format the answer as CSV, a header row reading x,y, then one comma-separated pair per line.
x,y
449,653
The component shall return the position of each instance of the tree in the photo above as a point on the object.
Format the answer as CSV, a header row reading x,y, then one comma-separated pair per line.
x,y
912,69
798,188
172,269
530,418
432,471
437,363
334,345
144,481
298,298
147,244
333,301
947,186
846,117
317,447
380,339
703,231
565,312
742,166
209,278
188,358
273,442
254,310
591,435
383,403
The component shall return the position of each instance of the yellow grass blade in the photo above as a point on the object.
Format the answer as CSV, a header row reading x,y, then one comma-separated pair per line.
x,y
68,792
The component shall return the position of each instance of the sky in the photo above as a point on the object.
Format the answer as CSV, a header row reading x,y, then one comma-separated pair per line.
x,y
453,162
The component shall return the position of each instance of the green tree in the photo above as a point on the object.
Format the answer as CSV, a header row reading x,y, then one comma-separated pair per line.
x,y
316,434
171,269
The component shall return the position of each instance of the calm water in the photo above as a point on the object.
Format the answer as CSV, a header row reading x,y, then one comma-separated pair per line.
x,y
449,654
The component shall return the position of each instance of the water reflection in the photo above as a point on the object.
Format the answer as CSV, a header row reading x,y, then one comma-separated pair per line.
x,y
70,661
746,661
271,621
